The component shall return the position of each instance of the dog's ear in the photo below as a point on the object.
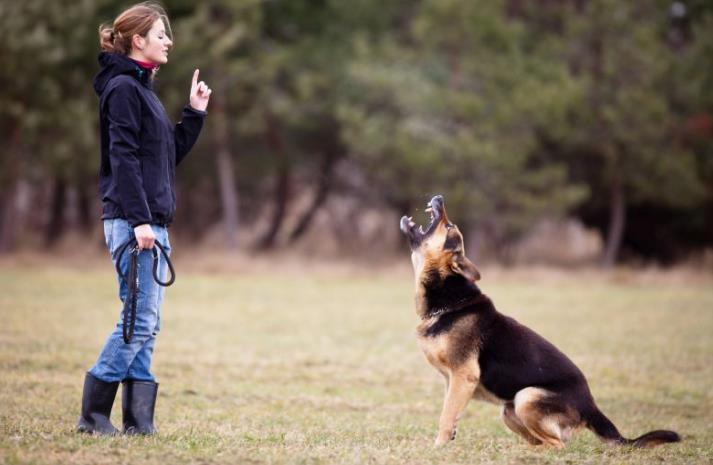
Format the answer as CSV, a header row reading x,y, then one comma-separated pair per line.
x,y
465,268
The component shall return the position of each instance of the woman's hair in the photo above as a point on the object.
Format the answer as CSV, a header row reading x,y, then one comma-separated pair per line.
x,y
136,20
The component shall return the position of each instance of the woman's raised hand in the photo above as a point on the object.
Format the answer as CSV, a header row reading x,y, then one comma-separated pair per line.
x,y
200,93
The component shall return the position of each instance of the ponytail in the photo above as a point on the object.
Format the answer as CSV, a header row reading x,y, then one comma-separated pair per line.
x,y
110,41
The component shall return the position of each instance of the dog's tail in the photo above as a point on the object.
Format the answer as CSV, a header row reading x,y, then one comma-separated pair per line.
x,y
605,429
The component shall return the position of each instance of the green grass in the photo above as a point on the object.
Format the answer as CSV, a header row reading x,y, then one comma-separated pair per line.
x,y
326,369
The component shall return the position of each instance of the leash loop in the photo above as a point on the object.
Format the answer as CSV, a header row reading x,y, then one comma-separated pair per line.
x,y
131,278
155,265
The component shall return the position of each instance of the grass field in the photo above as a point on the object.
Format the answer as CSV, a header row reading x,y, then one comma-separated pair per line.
x,y
324,368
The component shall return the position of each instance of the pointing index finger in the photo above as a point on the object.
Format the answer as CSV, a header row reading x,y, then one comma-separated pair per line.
x,y
195,77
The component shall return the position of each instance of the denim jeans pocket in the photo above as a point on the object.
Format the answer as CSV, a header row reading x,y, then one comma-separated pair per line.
x,y
109,234
116,232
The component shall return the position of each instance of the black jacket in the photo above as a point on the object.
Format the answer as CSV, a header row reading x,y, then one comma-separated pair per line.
x,y
140,147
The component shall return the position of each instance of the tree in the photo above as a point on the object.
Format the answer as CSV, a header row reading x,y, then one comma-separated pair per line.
x,y
621,137
47,107
450,103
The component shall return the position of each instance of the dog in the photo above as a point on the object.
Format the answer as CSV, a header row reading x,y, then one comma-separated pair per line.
x,y
486,355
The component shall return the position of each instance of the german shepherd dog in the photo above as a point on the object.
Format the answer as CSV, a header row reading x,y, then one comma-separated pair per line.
x,y
488,356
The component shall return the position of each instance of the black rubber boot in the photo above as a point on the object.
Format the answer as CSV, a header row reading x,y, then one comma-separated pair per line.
x,y
137,405
97,400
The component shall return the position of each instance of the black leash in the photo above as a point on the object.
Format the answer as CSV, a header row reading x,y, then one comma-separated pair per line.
x,y
132,281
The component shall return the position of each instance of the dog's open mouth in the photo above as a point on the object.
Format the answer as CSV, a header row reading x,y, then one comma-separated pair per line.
x,y
436,209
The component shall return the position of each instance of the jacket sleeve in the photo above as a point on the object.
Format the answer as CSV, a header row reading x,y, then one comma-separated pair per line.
x,y
187,131
123,107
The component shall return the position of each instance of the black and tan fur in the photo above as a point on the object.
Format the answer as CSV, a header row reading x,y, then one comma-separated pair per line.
x,y
486,355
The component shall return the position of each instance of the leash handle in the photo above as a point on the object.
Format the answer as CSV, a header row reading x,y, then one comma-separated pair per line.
x,y
131,278
161,248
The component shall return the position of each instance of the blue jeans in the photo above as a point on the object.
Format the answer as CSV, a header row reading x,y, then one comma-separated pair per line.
x,y
119,360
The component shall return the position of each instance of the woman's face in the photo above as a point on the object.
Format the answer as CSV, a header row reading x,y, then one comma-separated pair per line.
x,y
156,44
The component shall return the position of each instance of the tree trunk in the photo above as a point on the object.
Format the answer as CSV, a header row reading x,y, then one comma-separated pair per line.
x,y
9,225
282,183
84,201
281,200
324,185
8,216
617,223
55,226
224,163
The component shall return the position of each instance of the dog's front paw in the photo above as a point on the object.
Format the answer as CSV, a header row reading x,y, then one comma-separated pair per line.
x,y
445,438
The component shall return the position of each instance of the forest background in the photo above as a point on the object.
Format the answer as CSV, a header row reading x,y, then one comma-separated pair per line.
x,y
585,122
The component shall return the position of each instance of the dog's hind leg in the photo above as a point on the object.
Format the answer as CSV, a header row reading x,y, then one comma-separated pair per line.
x,y
515,424
461,386
546,416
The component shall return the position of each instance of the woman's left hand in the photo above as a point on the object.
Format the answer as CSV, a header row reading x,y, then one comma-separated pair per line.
x,y
200,93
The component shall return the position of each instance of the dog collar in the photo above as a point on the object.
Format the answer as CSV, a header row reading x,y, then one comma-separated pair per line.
x,y
457,307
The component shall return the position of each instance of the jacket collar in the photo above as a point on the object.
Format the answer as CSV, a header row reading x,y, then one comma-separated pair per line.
x,y
115,64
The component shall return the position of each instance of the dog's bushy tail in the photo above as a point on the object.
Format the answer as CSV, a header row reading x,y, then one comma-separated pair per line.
x,y
605,429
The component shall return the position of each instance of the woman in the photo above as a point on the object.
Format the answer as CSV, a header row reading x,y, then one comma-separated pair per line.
x,y
140,149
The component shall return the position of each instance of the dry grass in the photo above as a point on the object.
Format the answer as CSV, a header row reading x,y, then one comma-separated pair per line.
x,y
322,366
